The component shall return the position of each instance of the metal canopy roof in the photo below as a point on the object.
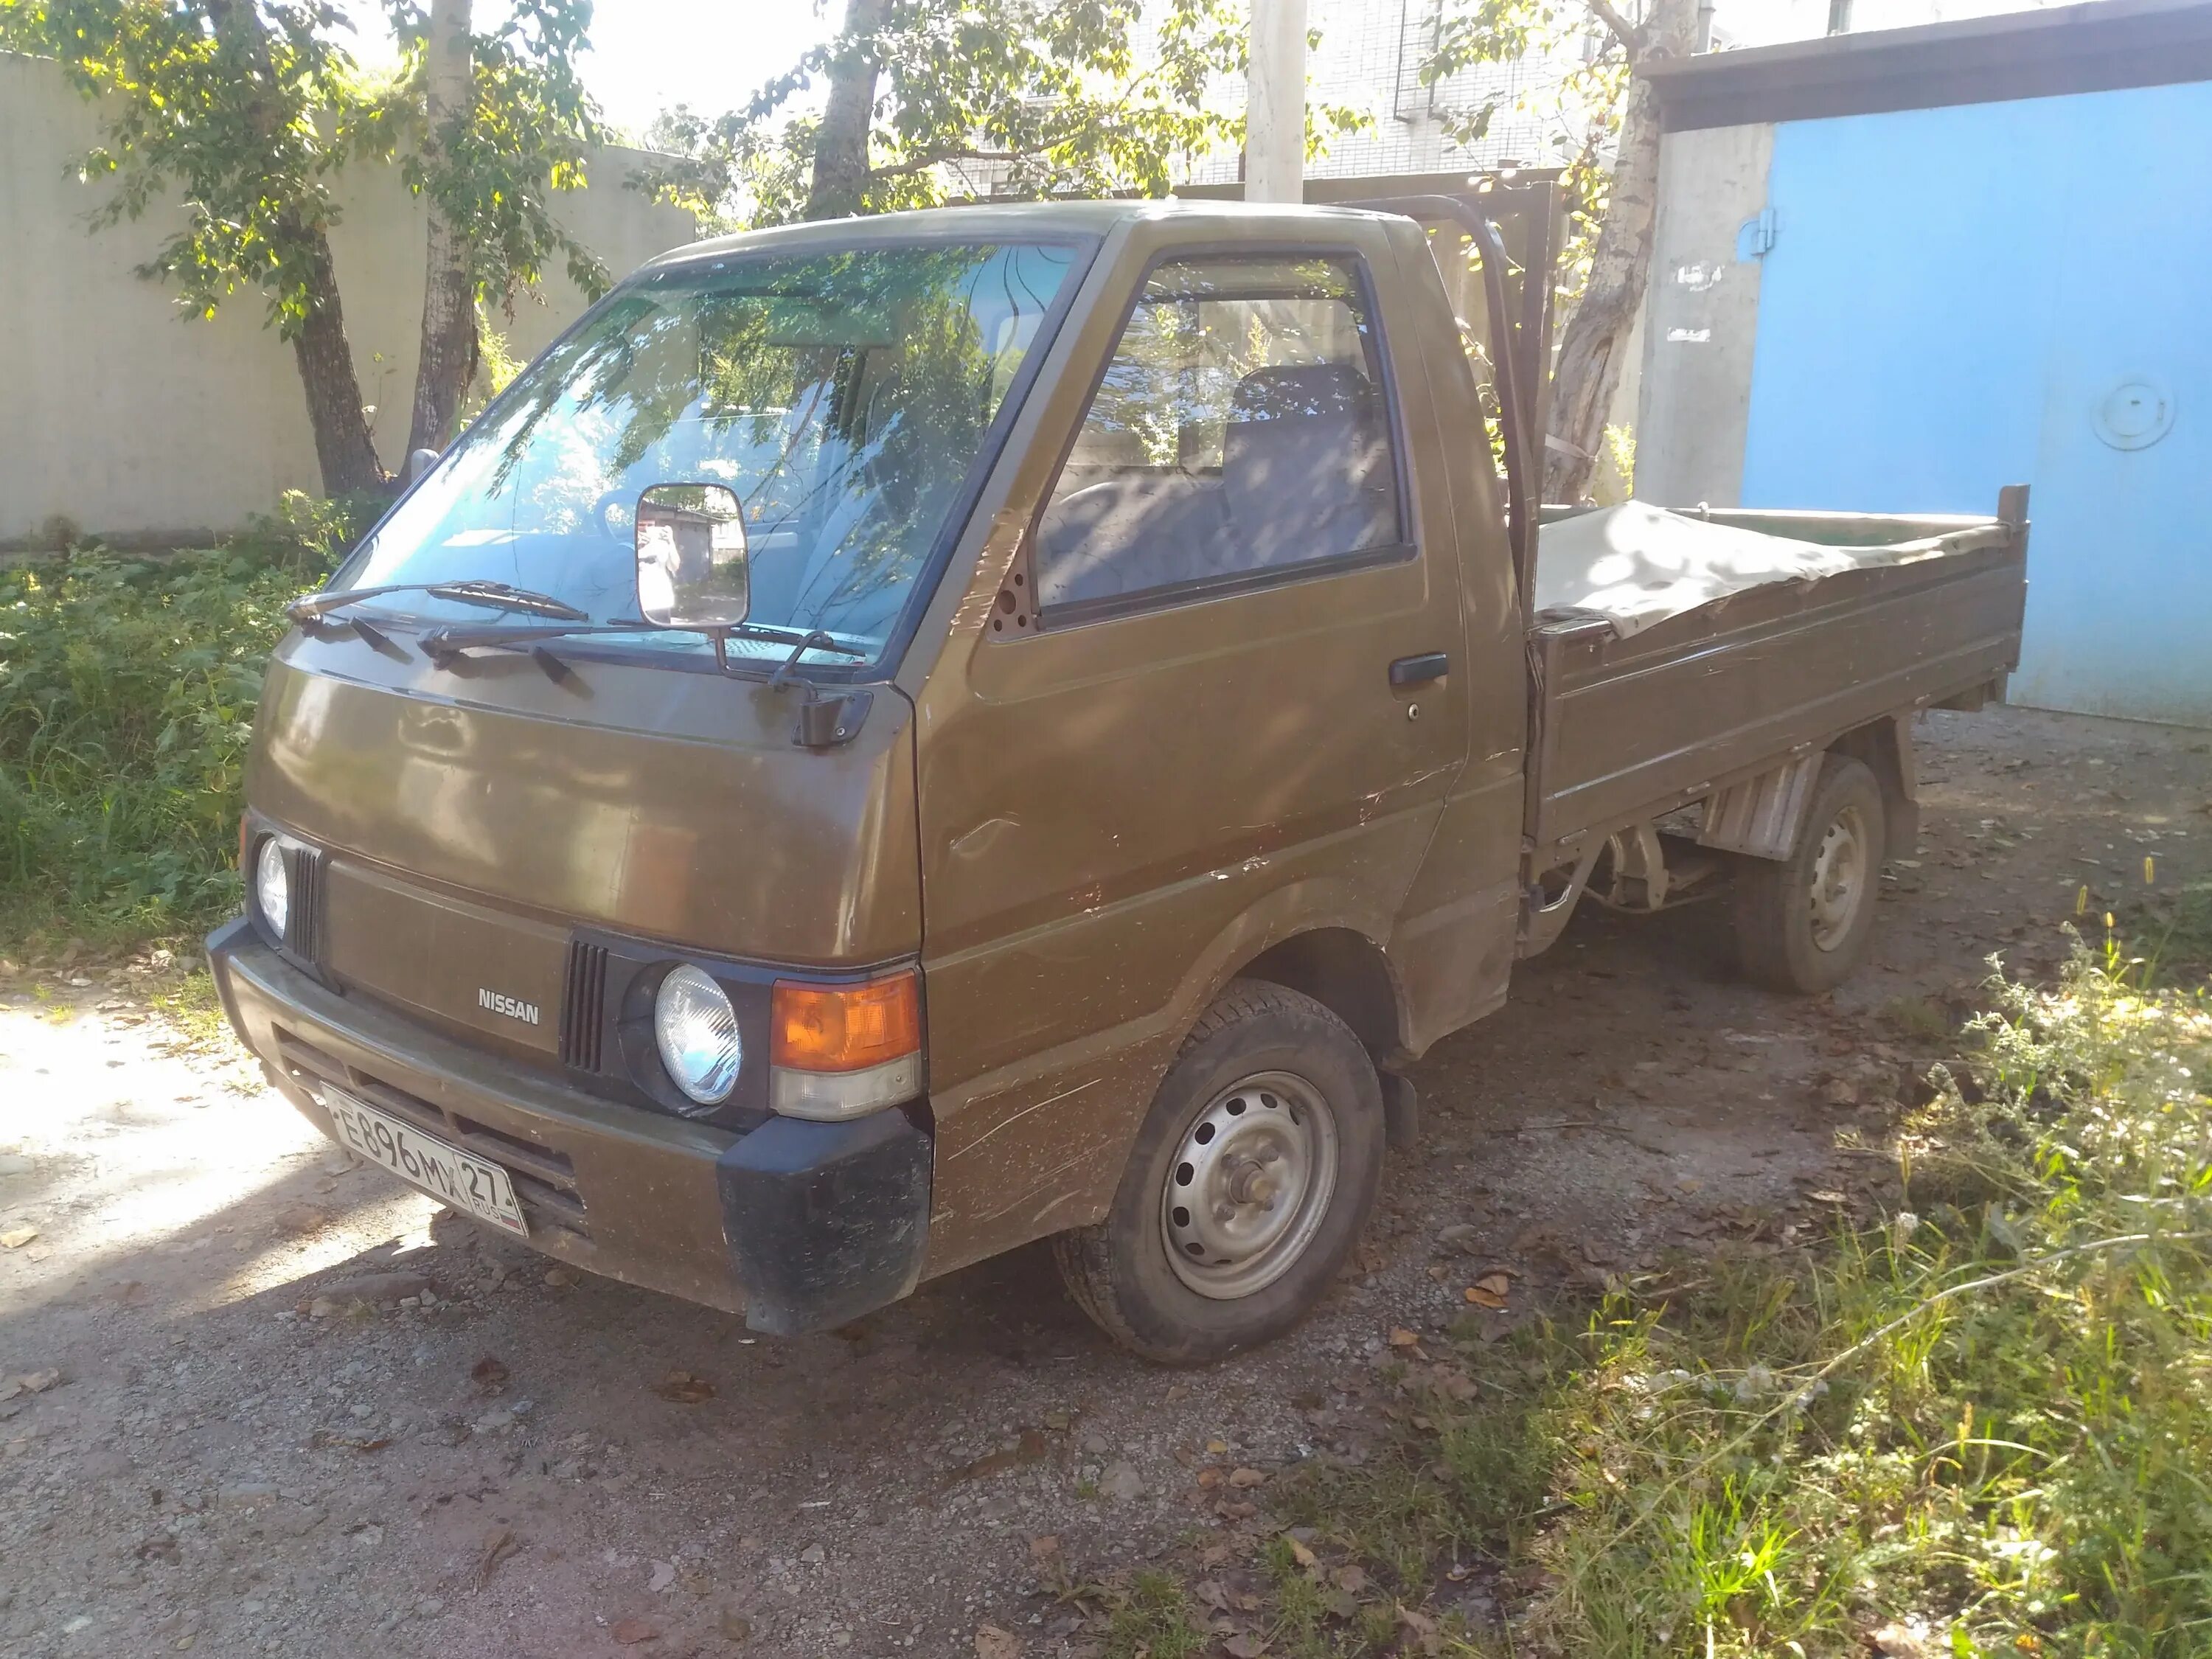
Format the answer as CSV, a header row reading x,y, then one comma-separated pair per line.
x,y
2033,54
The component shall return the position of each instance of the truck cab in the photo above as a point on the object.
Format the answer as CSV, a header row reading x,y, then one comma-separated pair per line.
x,y
897,738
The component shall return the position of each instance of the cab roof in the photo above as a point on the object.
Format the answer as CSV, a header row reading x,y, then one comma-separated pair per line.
x,y
1020,221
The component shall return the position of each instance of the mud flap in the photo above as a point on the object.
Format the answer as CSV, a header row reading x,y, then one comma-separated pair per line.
x,y
825,1221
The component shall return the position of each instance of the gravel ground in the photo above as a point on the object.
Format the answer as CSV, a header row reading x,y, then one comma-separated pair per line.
x,y
255,1399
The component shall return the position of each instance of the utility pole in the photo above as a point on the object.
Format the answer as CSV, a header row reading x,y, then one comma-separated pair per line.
x,y
1275,103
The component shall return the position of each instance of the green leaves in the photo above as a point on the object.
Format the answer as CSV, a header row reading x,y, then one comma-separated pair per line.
x,y
127,693
1022,98
224,102
527,136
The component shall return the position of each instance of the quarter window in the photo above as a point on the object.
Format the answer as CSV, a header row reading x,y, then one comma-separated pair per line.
x,y
1239,431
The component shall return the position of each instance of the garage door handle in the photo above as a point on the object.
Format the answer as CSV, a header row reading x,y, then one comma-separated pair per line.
x,y
1419,671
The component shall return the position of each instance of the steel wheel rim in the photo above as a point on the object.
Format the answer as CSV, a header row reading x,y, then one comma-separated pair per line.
x,y
1249,1185
1840,867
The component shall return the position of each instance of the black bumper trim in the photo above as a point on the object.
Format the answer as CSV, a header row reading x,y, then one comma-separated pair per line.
x,y
825,1221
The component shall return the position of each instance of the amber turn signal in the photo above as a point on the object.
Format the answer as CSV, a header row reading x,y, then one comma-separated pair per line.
x,y
845,1028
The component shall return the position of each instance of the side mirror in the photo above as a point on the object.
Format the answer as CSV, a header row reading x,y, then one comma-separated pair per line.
x,y
419,461
691,557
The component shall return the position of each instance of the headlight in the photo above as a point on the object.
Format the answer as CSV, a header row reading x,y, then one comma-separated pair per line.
x,y
698,1031
272,887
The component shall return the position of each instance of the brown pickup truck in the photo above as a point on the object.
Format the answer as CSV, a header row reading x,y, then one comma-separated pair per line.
x,y
900,738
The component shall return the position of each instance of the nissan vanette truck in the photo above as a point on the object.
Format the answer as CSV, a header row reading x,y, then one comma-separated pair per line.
x,y
900,738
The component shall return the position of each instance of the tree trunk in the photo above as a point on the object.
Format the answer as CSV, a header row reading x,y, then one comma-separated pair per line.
x,y
344,449
841,141
1596,340
448,357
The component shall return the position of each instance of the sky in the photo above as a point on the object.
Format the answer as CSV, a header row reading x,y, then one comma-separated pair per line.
x,y
1766,22
649,54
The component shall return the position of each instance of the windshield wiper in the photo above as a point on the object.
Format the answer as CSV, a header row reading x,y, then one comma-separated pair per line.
x,y
440,644
498,596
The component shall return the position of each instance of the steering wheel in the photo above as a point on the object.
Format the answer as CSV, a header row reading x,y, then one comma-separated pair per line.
x,y
615,514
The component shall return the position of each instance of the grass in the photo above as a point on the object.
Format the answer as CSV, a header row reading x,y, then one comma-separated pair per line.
x,y
1980,1423
193,1010
127,691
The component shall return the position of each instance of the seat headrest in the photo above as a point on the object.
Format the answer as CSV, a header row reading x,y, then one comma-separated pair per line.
x,y
1289,390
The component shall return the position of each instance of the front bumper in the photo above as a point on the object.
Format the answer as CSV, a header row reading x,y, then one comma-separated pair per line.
x,y
798,1225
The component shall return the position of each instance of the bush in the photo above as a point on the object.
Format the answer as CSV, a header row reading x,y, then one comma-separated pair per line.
x,y
127,693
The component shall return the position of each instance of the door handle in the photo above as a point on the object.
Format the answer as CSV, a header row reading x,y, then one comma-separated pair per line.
x,y
1419,671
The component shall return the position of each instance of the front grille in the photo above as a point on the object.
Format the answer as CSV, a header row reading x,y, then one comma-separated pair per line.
x,y
545,1180
583,998
303,929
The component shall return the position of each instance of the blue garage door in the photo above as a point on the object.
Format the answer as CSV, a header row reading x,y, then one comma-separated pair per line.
x,y
1962,298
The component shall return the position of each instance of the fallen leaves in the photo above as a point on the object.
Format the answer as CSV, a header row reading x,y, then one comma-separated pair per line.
x,y
16,1238
992,1642
1489,1290
684,1388
489,1376
1425,1634
28,1382
499,1543
631,1631
1030,1448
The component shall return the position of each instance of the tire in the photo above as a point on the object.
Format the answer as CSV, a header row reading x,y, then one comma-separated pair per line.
x,y
1267,1069
1803,923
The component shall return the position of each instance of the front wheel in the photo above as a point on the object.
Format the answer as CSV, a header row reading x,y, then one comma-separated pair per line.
x,y
1804,922
1253,1173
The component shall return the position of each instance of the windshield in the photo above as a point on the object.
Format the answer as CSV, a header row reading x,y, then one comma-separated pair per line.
x,y
844,396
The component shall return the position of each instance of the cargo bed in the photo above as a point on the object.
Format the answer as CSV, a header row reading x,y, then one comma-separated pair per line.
x,y
1625,730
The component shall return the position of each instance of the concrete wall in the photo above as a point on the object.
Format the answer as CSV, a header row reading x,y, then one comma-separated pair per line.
x,y
1701,317
139,424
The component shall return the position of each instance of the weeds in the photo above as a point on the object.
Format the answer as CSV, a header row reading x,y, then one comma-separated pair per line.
x,y
1152,1619
1982,1425
127,693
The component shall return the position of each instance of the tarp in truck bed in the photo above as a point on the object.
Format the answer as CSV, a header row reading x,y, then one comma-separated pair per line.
x,y
1635,565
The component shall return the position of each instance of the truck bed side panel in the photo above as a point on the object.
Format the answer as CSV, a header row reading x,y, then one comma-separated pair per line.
x,y
1630,727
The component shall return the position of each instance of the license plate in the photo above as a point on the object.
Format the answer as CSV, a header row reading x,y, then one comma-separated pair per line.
x,y
438,1167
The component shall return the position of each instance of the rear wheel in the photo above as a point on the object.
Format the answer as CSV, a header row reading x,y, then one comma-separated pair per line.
x,y
1253,1173
1803,923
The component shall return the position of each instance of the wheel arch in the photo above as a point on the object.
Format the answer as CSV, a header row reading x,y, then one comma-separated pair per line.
x,y
1884,747
1349,974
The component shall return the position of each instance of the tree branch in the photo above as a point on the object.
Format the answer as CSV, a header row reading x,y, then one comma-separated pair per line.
x,y
1629,36
923,163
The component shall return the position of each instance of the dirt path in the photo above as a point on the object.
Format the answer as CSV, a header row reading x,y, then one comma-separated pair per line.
x,y
235,1455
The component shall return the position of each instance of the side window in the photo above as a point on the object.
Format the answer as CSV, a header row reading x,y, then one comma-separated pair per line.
x,y
1240,429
